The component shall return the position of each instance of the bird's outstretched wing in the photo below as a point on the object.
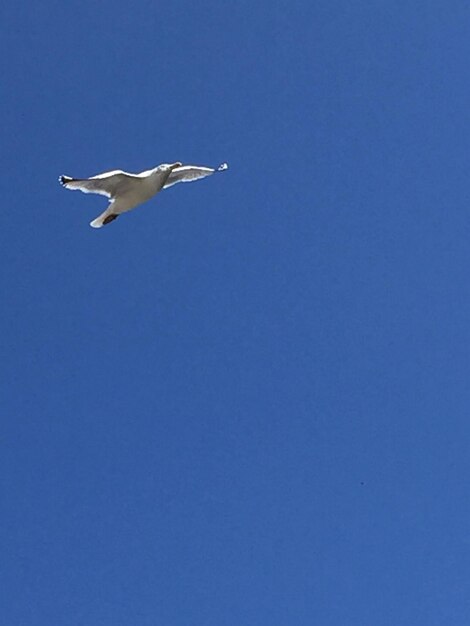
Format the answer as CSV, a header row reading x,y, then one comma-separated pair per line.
x,y
107,184
188,173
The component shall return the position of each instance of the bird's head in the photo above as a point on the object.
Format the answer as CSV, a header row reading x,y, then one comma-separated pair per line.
x,y
170,166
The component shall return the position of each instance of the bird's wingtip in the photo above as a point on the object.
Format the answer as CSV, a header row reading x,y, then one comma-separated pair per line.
x,y
63,180
222,167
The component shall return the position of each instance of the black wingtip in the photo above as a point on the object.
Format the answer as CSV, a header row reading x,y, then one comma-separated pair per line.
x,y
63,180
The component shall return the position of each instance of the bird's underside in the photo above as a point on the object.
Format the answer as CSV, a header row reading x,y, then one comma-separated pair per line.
x,y
127,191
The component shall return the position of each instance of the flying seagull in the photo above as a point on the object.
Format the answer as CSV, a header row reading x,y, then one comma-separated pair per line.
x,y
126,191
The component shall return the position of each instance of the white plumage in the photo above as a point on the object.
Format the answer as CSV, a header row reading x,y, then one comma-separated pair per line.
x,y
126,191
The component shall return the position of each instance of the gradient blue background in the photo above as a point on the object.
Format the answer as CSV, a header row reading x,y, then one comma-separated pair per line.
x,y
246,403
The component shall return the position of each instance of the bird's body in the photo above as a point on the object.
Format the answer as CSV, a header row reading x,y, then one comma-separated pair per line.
x,y
127,191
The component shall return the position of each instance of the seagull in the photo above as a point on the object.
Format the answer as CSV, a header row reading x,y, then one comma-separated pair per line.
x,y
126,191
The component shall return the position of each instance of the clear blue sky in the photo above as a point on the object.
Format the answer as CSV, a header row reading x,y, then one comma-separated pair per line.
x,y
246,403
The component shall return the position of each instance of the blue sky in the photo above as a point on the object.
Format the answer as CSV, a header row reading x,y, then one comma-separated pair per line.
x,y
247,402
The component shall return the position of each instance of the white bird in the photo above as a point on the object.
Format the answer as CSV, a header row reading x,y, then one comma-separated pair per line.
x,y
126,191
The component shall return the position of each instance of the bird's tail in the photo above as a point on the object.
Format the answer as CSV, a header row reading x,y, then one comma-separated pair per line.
x,y
105,218
98,223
